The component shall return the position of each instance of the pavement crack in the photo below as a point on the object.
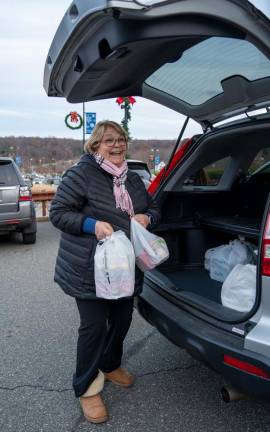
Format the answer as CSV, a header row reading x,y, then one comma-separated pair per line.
x,y
47,389
37,387
192,366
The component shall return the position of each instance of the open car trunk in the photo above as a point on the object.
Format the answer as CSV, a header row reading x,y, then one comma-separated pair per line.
x,y
197,218
184,277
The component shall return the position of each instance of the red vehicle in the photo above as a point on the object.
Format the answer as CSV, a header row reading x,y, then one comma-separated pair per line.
x,y
164,172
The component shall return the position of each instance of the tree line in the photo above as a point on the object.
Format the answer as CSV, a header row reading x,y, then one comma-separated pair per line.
x,y
37,151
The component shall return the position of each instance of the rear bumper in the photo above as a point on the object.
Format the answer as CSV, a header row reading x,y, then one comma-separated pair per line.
x,y
204,342
14,225
19,220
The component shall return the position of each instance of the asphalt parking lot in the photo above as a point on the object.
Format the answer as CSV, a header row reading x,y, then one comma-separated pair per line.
x,y
38,327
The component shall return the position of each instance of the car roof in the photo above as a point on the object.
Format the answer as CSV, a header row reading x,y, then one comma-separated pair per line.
x,y
4,158
136,161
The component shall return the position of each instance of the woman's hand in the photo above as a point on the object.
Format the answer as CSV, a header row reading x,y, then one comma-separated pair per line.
x,y
142,219
103,229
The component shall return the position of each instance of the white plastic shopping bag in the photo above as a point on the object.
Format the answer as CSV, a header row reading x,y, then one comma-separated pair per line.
x,y
222,259
208,255
114,267
150,249
239,288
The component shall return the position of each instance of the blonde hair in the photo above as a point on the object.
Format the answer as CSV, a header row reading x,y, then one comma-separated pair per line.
x,y
93,143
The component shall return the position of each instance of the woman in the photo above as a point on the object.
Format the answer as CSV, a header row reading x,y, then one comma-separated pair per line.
x,y
97,196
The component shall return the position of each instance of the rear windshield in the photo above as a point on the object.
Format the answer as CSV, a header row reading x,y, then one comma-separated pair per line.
x,y
8,175
196,77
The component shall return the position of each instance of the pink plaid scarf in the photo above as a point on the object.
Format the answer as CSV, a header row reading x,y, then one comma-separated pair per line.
x,y
121,195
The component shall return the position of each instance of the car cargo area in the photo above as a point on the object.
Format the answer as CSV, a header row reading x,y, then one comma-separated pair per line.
x,y
183,275
197,218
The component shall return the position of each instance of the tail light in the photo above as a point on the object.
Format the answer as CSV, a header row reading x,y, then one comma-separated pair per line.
x,y
246,367
266,248
25,194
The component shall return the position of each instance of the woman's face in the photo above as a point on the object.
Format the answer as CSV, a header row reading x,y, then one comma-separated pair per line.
x,y
113,146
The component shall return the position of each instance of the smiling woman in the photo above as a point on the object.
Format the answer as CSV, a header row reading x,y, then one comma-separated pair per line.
x,y
96,197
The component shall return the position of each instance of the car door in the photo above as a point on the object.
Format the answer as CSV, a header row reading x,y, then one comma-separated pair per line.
x,y
206,59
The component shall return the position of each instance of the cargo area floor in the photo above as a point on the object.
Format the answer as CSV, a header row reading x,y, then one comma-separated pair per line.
x,y
197,281
194,285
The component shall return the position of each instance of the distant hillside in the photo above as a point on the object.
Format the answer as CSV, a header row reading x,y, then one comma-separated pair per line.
x,y
40,148
41,154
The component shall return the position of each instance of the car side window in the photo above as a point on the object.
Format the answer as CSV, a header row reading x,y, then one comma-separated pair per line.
x,y
261,162
259,169
209,175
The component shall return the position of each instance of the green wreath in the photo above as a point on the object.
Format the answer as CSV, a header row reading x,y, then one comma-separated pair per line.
x,y
74,127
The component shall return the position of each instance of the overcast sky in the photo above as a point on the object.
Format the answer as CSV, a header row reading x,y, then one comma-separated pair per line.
x,y
27,29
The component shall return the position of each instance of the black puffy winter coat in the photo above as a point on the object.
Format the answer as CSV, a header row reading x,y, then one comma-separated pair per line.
x,y
86,190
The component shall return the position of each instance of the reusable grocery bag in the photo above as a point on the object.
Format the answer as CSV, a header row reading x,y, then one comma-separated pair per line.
x,y
222,259
239,288
114,267
150,249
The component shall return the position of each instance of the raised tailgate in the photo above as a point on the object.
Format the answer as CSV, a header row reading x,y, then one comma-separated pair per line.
x,y
8,200
9,189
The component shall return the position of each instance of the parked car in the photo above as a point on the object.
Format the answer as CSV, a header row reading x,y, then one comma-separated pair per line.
x,y
28,182
38,180
57,180
17,211
142,169
211,62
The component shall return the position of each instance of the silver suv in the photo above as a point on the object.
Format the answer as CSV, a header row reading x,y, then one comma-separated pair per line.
x,y
208,60
17,211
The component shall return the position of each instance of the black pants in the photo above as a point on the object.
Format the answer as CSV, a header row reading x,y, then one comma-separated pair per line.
x,y
104,325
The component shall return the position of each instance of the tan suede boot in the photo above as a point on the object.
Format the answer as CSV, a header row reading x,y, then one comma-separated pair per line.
x,y
94,409
120,377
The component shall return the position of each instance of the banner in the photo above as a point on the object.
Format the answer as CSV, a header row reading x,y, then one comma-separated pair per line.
x,y
18,160
90,122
